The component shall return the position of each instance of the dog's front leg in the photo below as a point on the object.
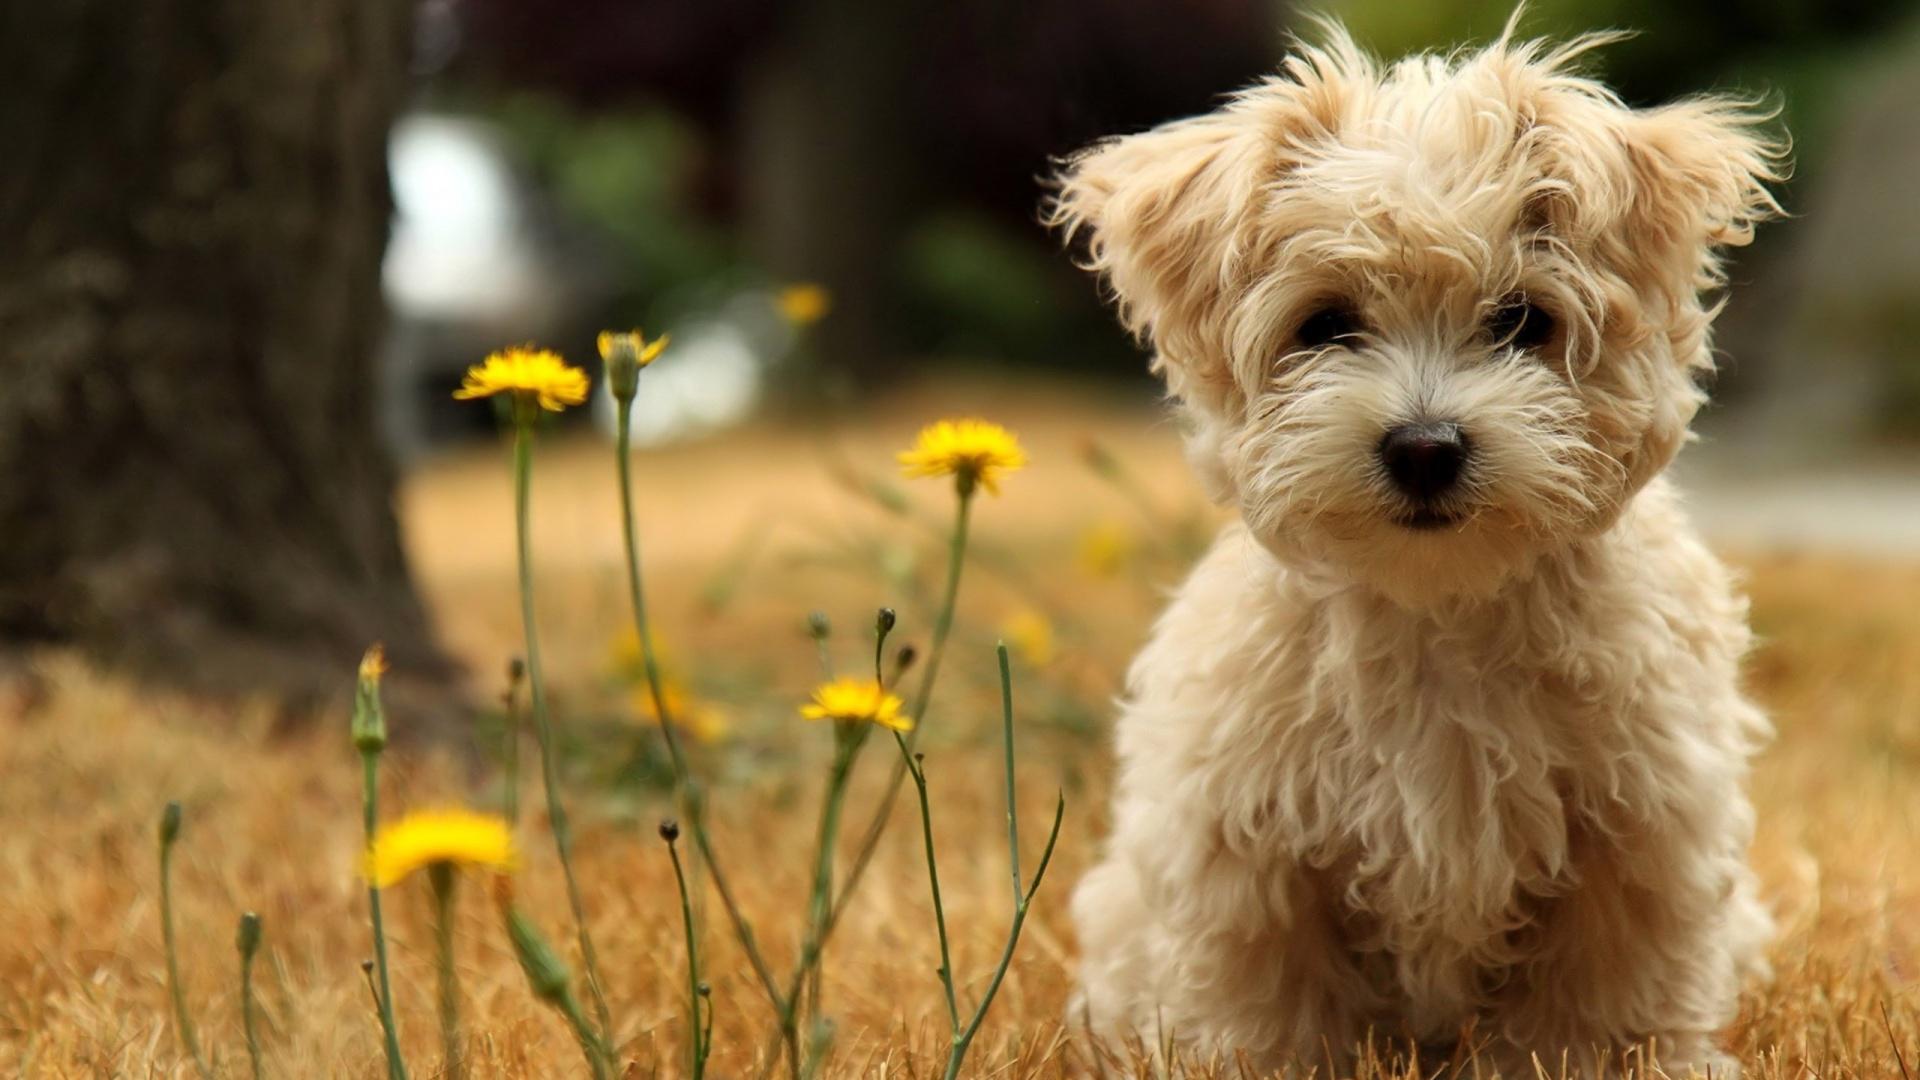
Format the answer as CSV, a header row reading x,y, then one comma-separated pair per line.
x,y
1187,942
1640,963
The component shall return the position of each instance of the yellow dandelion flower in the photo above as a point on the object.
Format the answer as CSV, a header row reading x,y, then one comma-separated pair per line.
x,y
624,657
975,451
1105,549
705,721
803,303
529,374
374,663
634,344
1031,637
426,837
855,701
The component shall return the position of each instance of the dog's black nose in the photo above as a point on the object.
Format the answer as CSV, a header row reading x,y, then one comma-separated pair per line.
x,y
1424,459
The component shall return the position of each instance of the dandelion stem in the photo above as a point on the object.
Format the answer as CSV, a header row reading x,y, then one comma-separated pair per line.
x,y
919,772
596,1052
964,1040
847,743
440,876
942,627
1022,894
542,723
822,899
247,940
182,1021
636,589
697,1032
1006,737
370,816
510,699
870,839
692,804
548,978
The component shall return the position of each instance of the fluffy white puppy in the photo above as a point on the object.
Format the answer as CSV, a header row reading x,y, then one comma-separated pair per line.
x,y
1445,735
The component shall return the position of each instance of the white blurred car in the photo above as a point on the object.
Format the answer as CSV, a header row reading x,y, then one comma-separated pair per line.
x,y
477,260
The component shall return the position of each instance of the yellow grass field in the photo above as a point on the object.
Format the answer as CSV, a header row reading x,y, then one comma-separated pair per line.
x,y
742,535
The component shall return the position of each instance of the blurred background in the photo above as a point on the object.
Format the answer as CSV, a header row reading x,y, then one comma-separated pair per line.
x,y
250,248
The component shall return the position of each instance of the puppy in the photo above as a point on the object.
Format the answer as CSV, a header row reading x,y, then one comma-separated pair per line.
x,y
1445,734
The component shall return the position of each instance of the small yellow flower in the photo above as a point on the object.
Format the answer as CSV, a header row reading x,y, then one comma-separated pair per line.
x,y
374,663
644,352
853,701
623,656
1105,549
803,303
1031,636
426,837
976,451
705,721
527,373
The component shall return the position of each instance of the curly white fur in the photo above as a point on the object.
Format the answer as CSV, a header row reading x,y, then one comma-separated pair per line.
x,y
1396,783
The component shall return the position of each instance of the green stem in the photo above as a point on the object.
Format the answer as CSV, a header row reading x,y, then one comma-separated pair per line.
x,y
247,1013
693,808
1006,739
1022,894
964,1039
636,590
542,723
511,748
919,773
182,1021
820,902
870,839
440,876
370,816
943,626
697,1032
591,1046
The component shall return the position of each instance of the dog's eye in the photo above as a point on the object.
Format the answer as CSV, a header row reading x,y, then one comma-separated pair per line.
x,y
1520,324
1327,325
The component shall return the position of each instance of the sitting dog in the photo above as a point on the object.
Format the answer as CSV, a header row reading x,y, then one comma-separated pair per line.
x,y
1442,744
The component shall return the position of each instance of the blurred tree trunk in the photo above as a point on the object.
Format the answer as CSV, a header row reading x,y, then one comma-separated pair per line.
x,y
825,161
195,207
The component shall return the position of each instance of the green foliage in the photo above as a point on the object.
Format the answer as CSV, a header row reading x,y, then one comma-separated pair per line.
x,y
625,174
984,279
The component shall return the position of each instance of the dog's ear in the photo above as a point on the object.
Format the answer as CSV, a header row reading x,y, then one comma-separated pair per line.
x,y
1664,191
1167,216
1700,170
1160,214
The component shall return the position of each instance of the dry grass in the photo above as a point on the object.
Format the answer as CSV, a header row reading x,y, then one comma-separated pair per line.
x,y
88,761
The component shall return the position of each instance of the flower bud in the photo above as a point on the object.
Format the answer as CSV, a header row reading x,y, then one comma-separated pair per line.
x,y
247,939
669,830
547,975
369,719
170,824
885,622
1098,458
817,625
625,354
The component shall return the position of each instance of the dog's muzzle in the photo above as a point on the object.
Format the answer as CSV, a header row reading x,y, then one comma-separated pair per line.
x,y
1425,462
